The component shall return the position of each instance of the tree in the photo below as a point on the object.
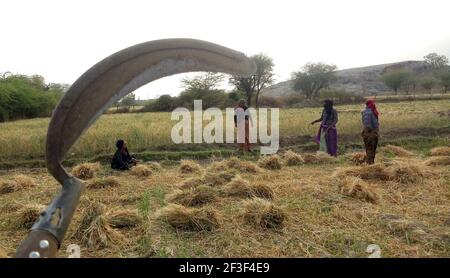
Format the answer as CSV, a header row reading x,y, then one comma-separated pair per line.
x,y
428,82
444,79
261,79
396,78
436,61
206,82
313,77
129,100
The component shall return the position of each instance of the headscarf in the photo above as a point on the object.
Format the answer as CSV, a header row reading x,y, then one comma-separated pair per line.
x,y
371,104
119,144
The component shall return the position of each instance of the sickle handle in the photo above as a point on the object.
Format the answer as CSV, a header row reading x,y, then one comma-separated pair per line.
x,y
38,244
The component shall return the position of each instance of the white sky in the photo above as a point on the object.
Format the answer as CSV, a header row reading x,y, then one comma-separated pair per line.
x,y
61,39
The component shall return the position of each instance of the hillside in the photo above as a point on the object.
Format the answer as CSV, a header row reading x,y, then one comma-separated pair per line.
x,y
363,80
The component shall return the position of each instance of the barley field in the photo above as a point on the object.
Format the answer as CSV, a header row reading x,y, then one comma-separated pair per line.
x,y
149,131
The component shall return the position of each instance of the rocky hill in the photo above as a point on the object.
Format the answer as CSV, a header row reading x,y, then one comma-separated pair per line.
x,y
364,80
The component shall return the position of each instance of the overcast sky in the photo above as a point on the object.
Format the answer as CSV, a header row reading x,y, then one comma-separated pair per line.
x,y
61,39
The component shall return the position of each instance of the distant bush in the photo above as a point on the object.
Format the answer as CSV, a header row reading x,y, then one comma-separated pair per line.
x,y
266,101
341,96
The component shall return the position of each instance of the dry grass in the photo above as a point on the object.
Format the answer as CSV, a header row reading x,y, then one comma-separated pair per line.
x,y
318,157
271,162
357,188
262,214
86,171
194,197
3,254
94,230
438,161
124,218
440,151
11,207
292,159
263,191
398,151
105,182
27,216
141,171
189,219
189,166
404,228
406,172
356,158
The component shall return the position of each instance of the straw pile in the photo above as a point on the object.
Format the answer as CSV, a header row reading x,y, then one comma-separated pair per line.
x,y
236,164
218,178
18,182
11,207
238,187
197,196
318,157
292,159
190,183
27,216
124,218
271,162
398,151
375,171
86,171
440,151
356,158
154,166
105,182
8,186
94,229
357,188
262,191
189,166
262,214
402,172
438,161
141,171
189,219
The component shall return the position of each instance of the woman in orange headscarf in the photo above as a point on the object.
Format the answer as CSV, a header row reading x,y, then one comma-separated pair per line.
x,y
370,131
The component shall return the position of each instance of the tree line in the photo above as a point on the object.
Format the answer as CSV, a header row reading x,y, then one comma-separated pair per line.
x,y
23,97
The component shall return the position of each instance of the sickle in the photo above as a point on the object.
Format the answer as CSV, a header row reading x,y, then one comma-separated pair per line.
x,y
106,82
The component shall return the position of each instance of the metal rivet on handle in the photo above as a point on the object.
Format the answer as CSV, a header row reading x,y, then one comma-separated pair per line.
x,y
44,244
34,255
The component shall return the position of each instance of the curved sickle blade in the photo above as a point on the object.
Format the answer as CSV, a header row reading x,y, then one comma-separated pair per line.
x,y
123,72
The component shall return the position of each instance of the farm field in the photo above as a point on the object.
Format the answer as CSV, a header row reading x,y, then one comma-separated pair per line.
x,y
25,139
308,206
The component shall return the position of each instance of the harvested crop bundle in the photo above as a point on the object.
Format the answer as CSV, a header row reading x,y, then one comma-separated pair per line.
x,y
292,159
124,218
101,183
189,166
86,171
141,171
357,188
189,219
272,162
194,197
262,214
